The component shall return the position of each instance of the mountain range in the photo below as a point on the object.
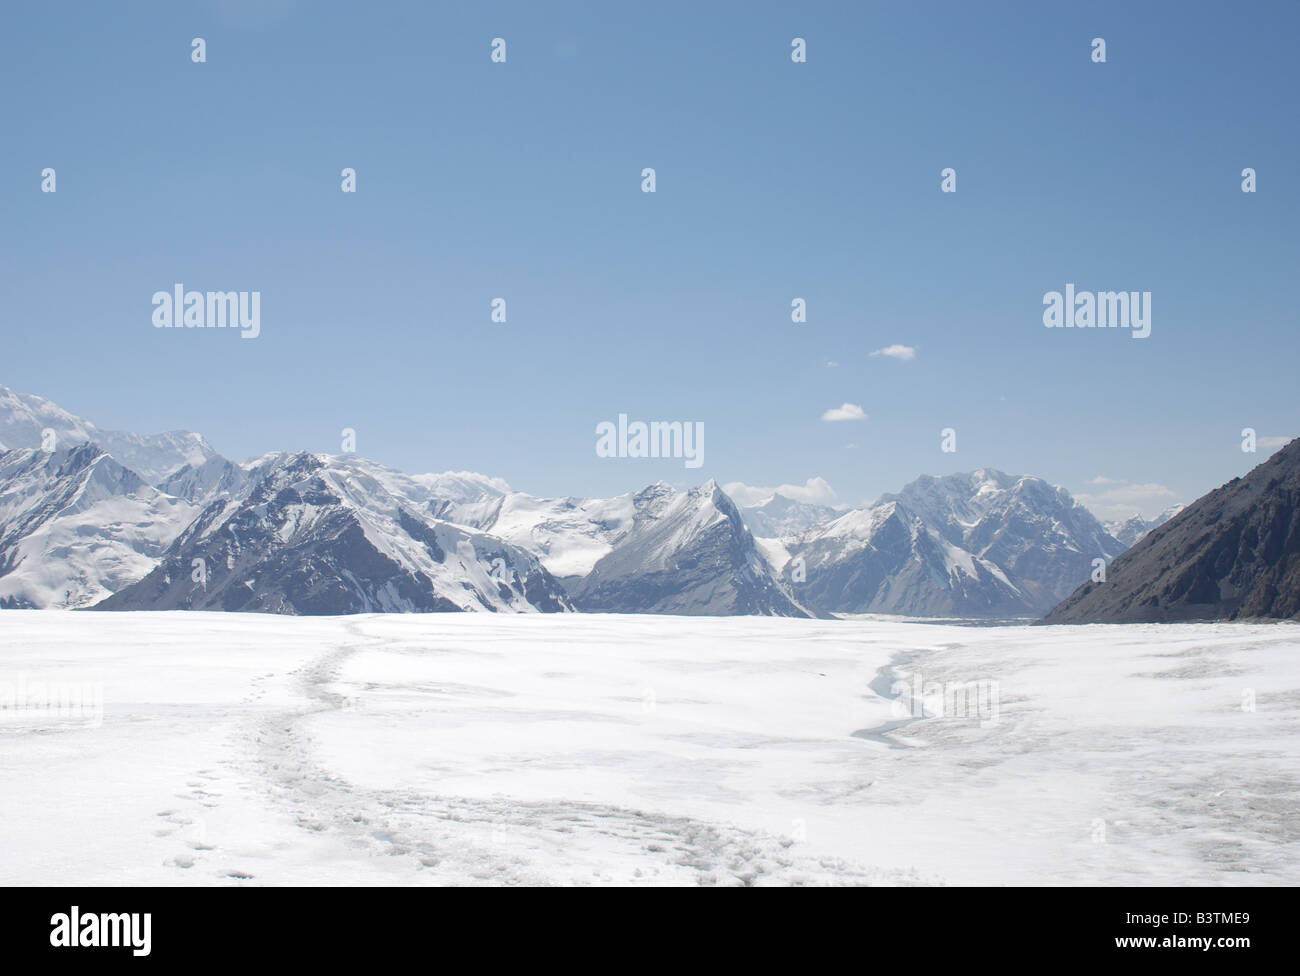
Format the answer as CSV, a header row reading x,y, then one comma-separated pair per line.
x,y
111,520
32,421
1133,529
309,534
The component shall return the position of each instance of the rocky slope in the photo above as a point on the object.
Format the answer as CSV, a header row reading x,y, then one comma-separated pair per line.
x,y
1232,555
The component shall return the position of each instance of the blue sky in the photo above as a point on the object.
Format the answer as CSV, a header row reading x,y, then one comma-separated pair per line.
x,y
775,180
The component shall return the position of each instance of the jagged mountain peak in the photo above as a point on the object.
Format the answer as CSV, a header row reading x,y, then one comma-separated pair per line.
x,y
683,552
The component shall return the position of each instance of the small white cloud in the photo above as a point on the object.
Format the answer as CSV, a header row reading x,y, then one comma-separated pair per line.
x,y
831,364
1273,441
897,351
815,491
746,495
846,411
1101,479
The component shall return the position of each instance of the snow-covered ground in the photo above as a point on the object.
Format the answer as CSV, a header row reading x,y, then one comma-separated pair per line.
x,y
592,749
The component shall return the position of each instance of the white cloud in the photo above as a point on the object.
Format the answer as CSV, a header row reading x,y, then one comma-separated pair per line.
x,y
1273,441
1103,480
847,411
815,491
831,364
897,351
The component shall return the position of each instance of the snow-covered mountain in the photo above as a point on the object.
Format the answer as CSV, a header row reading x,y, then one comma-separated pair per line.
x,y
656,550
779,517
885,559
461,496
686,553
1130,531
983,544
25,419
571,535
314,534
75,526
778,520
202,483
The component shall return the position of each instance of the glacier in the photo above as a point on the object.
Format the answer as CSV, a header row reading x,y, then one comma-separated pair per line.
x,y
526,749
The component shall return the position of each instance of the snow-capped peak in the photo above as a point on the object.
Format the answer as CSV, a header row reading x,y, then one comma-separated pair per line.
x,y
32,421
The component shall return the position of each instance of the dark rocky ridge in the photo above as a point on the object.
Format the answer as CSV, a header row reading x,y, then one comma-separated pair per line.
x,y
1232,555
